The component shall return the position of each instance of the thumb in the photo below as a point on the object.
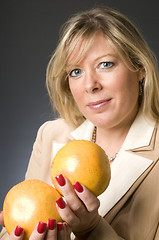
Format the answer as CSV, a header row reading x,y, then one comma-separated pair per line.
x,y
1,218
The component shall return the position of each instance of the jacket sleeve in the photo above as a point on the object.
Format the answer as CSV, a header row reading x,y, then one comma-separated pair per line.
x,y
157,233
105,231
4,235
36,156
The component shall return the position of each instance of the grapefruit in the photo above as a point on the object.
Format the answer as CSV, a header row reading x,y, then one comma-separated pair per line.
x,y
29,202
83,161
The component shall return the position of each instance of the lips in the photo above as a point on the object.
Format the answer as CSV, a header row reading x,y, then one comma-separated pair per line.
x,y
99,104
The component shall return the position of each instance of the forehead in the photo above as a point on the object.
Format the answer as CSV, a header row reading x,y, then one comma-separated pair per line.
x,y
98,43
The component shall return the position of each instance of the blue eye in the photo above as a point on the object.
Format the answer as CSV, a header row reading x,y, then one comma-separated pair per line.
x,y
105,65
75,73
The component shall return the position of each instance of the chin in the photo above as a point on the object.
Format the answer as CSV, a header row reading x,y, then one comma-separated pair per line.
x,y
102,123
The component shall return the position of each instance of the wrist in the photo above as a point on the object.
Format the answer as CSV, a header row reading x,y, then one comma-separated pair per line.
x,y
83,235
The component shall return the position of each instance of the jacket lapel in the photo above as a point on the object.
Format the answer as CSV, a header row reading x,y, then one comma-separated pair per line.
x,y
125,170
129,166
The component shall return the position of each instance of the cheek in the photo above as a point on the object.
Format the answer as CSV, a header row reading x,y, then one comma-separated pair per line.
x,y
77,96
133,86
126,88
72,89
128,81
130,90
76,93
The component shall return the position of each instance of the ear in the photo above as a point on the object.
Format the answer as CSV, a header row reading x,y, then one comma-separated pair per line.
x,y
141,74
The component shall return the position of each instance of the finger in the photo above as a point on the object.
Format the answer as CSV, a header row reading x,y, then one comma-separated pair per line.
x,y
1,219
66,213
63,231
70,195
88,198
52,230
74,199
17,233
39,232
68,231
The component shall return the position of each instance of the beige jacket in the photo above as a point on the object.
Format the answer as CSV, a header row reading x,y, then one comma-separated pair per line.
x,y
130,205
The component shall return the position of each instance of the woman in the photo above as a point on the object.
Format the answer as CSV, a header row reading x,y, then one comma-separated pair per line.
x,y
103,81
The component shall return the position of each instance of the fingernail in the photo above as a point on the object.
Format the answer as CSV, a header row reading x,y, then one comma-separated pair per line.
x,y
51,223
59,226
60,202
18,231
60,179
41,227
78,187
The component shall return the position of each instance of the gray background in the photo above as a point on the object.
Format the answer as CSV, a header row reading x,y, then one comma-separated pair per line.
x,y
29,33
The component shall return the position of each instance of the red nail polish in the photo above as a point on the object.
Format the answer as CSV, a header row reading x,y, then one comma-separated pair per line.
x,y
78,187
60,179
41,227
18,231
51,223
60,202
59,226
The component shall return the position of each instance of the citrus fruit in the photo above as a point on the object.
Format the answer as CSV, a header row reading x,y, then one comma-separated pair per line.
x,y
29,202
83,161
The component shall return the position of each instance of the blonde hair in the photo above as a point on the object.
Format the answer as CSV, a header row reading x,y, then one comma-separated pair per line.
x,y
124,36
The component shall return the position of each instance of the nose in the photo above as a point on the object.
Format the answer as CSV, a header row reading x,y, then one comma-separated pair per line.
x,y
92,82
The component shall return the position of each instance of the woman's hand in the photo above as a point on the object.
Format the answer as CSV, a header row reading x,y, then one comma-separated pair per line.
x,y
49,231
80,210
1,219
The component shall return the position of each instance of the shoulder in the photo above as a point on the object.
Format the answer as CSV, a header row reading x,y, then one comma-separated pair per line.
x,y
56,129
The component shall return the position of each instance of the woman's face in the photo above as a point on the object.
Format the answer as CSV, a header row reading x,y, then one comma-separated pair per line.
x,y
105,90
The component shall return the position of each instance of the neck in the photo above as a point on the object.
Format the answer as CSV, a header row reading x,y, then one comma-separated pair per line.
x,y
112,139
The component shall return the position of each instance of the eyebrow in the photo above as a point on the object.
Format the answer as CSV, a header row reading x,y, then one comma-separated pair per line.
x,y
106,55
70,66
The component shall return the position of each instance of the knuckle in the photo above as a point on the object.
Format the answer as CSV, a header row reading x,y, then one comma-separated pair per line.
x,y
77,207
72,221
93,205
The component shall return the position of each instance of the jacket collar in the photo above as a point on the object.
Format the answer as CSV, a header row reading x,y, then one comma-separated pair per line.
x,y
140,133
84,131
